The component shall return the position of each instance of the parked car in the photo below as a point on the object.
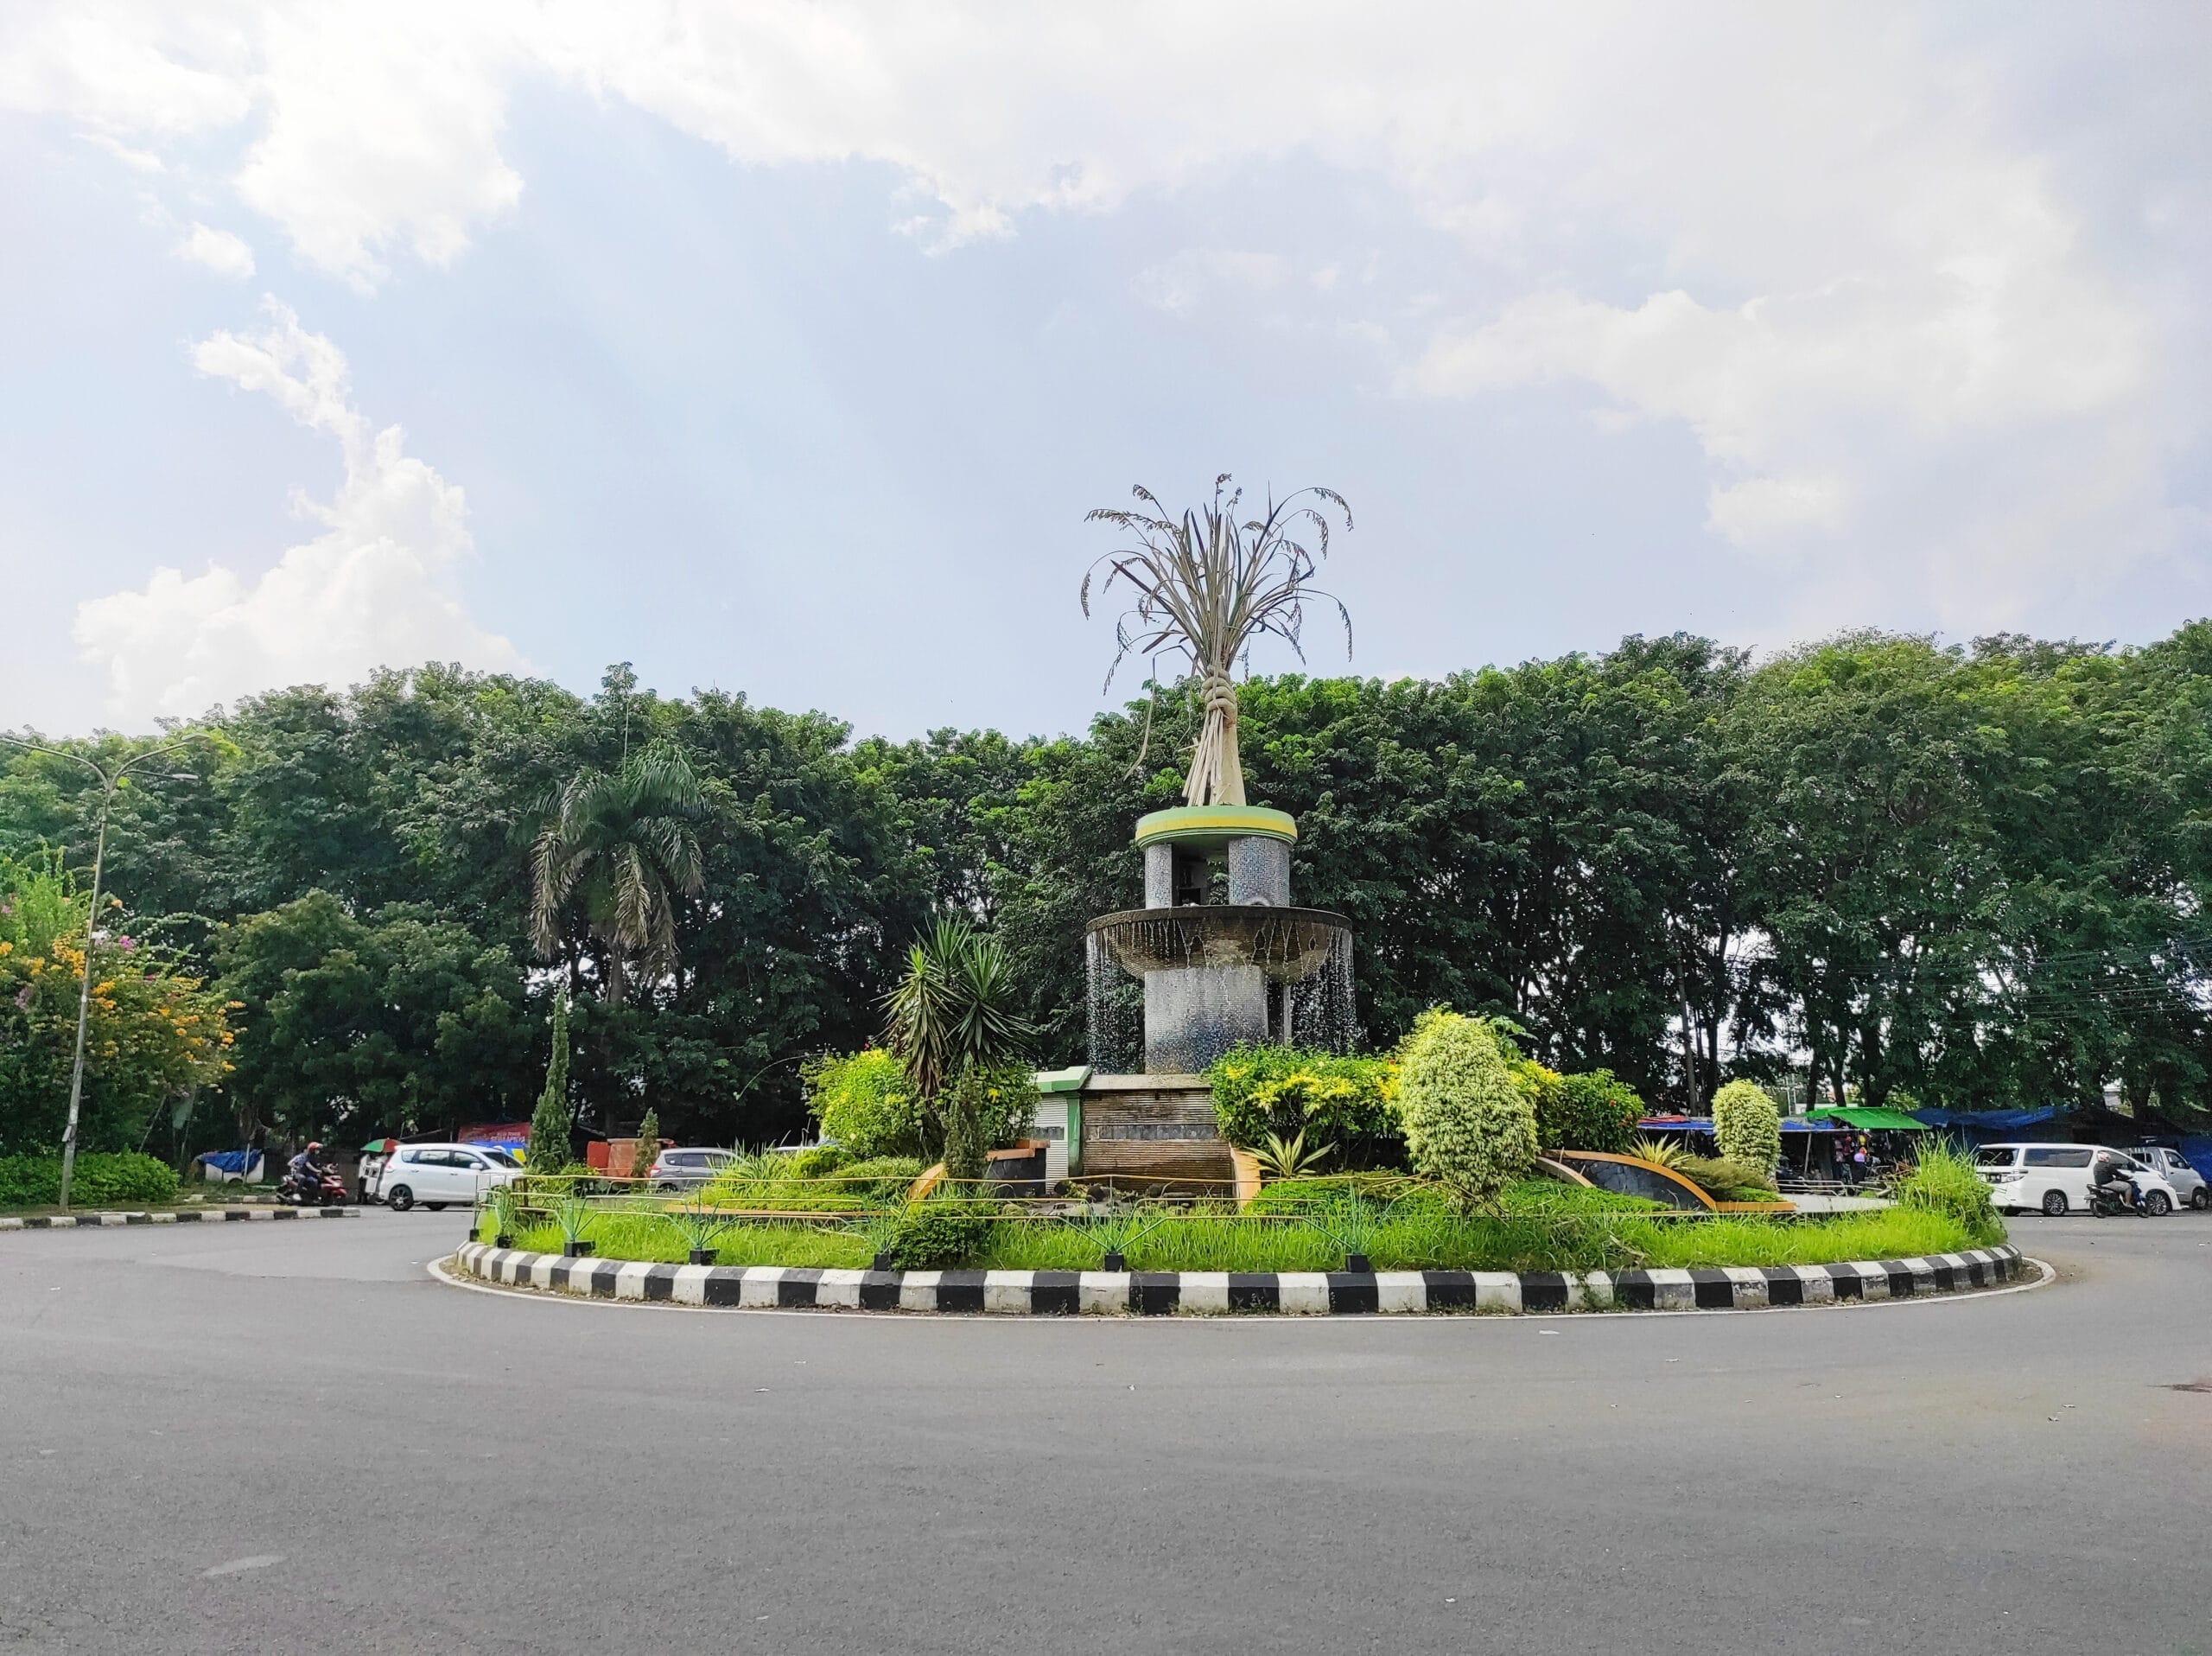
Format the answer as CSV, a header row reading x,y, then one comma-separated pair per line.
x,y
674,1168
2188,1184
2055,1179
441,1176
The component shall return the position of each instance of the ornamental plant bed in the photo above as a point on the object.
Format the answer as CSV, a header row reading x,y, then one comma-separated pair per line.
x,y
1421,1238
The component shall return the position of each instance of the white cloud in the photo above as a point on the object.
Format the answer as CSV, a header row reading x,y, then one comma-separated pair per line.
x,y
1916,283
1760,509
219,250
1178,284
376,587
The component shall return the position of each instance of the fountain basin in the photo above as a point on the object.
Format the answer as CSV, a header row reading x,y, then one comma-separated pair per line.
x,y
1287,946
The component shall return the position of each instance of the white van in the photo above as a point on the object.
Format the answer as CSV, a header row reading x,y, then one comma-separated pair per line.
x,y
2055,1179
435,1174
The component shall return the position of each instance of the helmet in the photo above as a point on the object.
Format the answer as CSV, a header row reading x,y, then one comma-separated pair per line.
x,y
314,1143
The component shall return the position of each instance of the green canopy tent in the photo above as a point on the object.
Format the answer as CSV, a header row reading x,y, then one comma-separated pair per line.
x,y
1867,1120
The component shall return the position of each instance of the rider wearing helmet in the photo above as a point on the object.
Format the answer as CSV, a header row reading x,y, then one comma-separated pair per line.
x,y
308,1167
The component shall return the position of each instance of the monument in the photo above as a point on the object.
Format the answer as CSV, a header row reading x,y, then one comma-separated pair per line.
x,y
1218,954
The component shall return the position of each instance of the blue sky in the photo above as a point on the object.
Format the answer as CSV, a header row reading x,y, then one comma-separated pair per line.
x,y
782,348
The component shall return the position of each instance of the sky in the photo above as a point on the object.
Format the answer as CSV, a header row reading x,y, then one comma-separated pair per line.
x,y
781,347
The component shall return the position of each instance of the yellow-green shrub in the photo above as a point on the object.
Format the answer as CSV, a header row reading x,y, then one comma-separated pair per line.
x,y
1746,1125
1467,1126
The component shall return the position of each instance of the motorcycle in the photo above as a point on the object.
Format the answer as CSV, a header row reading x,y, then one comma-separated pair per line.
x,y
329,1191
2107,1201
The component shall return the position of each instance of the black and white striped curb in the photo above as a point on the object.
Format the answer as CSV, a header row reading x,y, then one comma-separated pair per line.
x,y
176,1216
1100,1293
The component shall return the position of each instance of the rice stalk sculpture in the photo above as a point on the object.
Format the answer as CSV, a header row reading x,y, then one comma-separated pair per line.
x,y
1207,585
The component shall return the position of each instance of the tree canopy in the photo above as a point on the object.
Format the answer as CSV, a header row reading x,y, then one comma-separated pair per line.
x,y
1973,874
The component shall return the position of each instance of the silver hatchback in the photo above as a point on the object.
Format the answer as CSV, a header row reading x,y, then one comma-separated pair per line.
x,y
675,1169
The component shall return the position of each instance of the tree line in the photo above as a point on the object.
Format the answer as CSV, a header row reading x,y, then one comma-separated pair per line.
x,y
1971,875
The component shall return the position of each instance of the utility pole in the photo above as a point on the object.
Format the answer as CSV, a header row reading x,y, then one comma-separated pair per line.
x,y
110,780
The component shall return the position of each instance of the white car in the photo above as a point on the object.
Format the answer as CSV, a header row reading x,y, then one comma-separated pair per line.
x,y
2188,1184
441,1176
2055,1179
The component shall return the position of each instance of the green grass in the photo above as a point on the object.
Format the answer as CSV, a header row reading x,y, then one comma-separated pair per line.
x,y
1424,1238
1892,1234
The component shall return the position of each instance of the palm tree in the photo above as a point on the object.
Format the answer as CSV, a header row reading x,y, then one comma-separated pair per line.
x,y
622,842
1206,585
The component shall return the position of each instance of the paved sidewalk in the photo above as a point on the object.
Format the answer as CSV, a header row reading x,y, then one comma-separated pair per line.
x,y
1810,1202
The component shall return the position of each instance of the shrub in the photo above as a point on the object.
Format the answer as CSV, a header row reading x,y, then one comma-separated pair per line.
x,y
648,1147
1725,1179
1261,1092
1746,1125
880,1178
1468,1127
1591,1111
98,1181
940,1236
1943,1180
865,1102
817,1161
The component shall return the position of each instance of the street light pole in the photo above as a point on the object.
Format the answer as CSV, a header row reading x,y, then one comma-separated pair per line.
x,y
110,780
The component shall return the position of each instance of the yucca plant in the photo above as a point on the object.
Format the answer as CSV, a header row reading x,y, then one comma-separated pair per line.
x,y
1115,1232
954,1007
505,1211
570,1215
880,1229
1355,1225
1661,1152
698,1226
1205,585
1290,1159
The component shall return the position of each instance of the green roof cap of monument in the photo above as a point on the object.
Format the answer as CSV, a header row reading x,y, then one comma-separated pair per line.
x,y
1216,822
1063,1081
1870,1120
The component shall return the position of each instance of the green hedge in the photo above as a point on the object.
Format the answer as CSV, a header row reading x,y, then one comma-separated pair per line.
x,y
99,1181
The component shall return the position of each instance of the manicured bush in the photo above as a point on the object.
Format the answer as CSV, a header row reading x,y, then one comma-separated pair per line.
x,y
99,1181
1725,1179
941,1235
548,1123
818,1160
1944,1181
1404,1195
1348,1104
1467,1126
1746,1125
1595,1110
880,1178
865,1101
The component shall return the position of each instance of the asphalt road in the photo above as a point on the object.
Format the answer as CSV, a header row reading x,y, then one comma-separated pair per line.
x,y
279,1437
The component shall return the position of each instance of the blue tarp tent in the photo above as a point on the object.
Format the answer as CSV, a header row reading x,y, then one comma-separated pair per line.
x,y
1979,1127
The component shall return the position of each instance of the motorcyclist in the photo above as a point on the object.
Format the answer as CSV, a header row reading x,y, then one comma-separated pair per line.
x,y
307,1168
2113,1178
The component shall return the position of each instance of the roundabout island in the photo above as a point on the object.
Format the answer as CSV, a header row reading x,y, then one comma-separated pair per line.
x,y
1228,1146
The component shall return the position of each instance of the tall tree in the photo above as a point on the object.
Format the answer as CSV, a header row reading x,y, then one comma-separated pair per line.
x,y
622,844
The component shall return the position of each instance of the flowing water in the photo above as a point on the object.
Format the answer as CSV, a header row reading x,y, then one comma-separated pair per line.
x,y
1305,955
